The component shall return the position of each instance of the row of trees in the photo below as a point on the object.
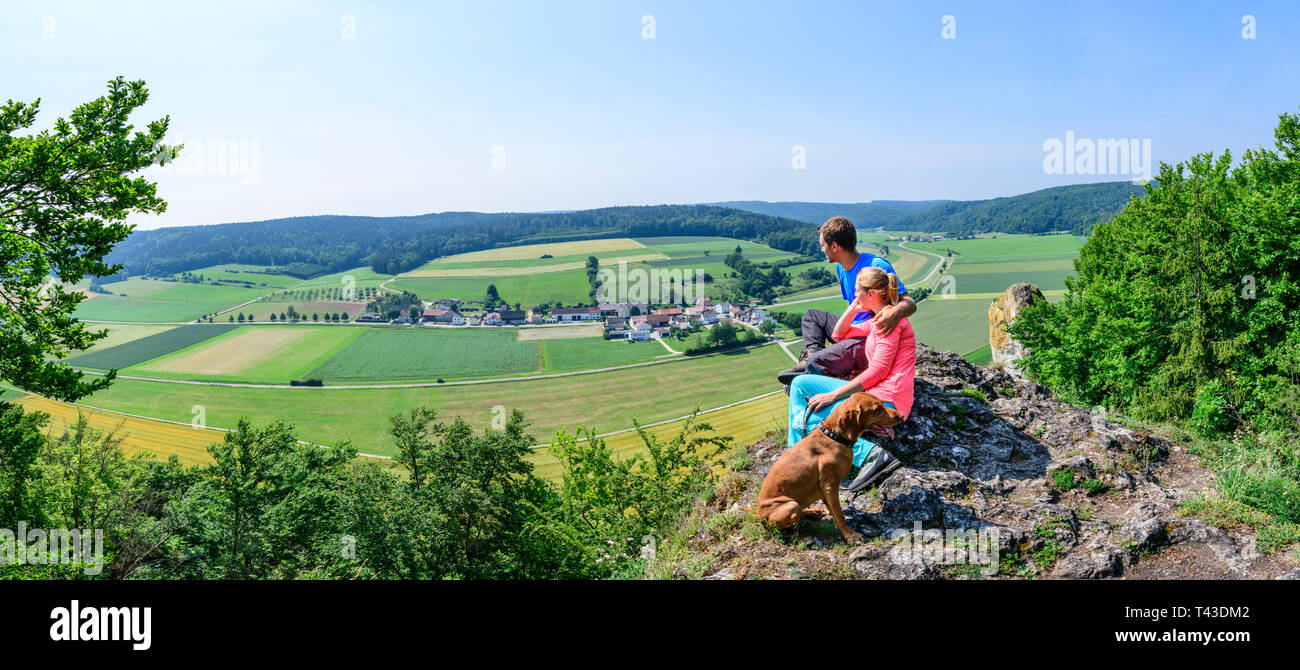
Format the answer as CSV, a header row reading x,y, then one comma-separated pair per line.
x,y
335,317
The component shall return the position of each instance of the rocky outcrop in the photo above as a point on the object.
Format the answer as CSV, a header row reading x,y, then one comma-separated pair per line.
x,y
992,457
1007,352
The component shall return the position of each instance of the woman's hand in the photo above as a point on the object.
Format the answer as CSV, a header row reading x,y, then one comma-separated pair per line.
x,y
821,400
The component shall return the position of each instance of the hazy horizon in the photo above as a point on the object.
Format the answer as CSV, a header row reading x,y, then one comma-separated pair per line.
x,y
409,108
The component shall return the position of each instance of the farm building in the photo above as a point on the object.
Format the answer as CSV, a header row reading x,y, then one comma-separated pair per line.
x,y
444,316
576,314
622,309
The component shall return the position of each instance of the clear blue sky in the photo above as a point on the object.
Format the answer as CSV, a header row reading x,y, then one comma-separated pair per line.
x,y
403,118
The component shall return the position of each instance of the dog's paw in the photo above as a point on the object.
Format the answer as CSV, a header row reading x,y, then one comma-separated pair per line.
x,y
854,539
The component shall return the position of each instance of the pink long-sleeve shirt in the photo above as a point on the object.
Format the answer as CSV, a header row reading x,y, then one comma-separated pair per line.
x,y
891,369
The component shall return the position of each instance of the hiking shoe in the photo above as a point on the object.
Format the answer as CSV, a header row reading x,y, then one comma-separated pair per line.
x,y
873,472
786,376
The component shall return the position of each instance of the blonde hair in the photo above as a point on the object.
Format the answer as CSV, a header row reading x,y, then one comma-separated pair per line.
x,y
873,278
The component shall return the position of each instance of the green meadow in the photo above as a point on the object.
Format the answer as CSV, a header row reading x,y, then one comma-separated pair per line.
x,y
605,401
236,272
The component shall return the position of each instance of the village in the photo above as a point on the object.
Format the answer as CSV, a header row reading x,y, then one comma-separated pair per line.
x,y
630,321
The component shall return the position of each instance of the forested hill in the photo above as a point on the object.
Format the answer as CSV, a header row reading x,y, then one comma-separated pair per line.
x,y
390,245
1075,208
863,214
316,244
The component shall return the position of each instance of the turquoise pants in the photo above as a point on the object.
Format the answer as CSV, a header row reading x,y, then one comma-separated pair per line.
x,y
806,386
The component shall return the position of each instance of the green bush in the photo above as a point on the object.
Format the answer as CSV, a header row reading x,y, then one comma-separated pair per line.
x,y
1211,414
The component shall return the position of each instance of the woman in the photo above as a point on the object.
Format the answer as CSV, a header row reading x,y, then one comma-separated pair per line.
x,y
889,375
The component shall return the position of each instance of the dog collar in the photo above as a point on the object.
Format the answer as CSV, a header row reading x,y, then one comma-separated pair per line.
x,y
829,432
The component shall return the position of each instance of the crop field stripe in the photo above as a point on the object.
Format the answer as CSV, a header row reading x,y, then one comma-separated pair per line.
x,y
745,421
152,346
603,256
123,333
254,354
521,271
526,251
140,434
707,260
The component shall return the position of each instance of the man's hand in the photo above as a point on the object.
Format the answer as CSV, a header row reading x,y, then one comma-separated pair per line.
x,y
887,318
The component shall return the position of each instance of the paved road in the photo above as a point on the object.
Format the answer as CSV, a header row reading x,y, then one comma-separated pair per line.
x,y
924,280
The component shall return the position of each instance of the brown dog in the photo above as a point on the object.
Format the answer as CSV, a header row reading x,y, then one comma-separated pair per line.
x,y
814,467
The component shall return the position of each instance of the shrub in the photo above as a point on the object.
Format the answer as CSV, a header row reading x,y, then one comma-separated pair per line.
x,y
1211,414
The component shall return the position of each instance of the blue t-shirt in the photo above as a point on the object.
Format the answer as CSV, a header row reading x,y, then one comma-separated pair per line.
x,y
849,280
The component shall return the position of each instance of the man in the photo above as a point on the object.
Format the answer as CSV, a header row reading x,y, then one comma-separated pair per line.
x,y
843,359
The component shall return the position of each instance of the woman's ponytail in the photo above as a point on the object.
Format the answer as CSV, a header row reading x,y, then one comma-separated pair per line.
x,y
874,278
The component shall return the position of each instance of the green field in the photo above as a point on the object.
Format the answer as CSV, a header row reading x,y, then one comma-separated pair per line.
x,y
156,301
960,326
605,401
428,353
137,287
152,346
1007,247
594,352
244,273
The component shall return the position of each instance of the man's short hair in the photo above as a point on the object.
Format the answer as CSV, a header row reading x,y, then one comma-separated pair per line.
x,y
840,230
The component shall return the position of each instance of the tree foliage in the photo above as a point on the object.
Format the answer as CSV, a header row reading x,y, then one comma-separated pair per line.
x,y
1196,284
64,194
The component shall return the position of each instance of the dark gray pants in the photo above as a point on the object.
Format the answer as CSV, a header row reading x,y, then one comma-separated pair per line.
x,y
843,359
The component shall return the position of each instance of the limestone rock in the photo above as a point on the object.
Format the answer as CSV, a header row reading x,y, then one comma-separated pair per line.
x,y
1006,350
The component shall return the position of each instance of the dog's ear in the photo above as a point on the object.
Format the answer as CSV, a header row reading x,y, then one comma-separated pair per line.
x,y
887,418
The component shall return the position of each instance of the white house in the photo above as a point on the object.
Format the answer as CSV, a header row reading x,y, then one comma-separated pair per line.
x,y
641,332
